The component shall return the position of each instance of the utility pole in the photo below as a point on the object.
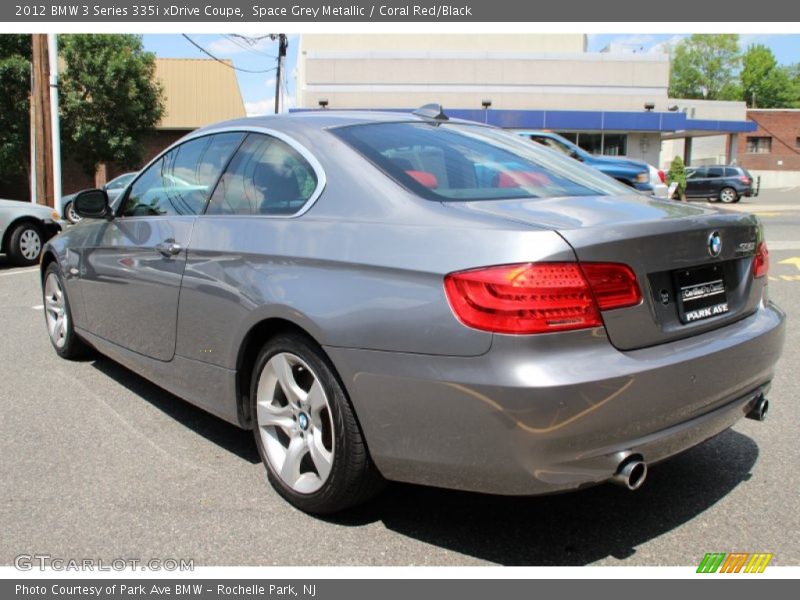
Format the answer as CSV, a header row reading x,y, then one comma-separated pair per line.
x,y
55,125
283,44
40,106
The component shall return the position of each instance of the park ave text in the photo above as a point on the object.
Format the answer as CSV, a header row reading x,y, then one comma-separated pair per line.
x,y
167,589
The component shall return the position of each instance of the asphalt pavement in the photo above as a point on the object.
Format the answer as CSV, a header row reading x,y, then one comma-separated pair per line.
x,y
98,462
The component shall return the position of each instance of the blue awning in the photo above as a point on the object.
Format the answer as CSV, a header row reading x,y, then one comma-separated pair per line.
x,y
589,120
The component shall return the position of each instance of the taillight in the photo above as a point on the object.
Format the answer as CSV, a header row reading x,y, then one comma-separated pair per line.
x,y
540,297
745,179
662,176
761,260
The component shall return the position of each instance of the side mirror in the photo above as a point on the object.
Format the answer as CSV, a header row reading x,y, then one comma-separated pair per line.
x,y
92,204
574,154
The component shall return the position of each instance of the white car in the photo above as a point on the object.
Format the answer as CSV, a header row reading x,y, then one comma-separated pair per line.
x,y
658,180
24,228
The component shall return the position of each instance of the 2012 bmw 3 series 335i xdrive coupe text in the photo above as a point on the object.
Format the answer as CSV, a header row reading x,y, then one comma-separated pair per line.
x,y
414,298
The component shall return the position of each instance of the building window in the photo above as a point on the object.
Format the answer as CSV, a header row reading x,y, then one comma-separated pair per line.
x,y
591,142
759,145
797,143
615,144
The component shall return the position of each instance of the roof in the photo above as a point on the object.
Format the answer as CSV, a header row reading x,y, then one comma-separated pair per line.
x,y
198,92
319,119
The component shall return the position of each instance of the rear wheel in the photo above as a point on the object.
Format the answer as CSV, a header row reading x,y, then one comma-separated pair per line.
x,y
58,316
728,195
25,244
306,430
71,214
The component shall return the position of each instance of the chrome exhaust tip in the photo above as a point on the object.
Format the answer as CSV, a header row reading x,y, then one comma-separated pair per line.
x,y
759,410
631,473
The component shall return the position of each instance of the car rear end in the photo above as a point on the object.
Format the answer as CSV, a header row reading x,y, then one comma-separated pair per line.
x,y
744,182
648,333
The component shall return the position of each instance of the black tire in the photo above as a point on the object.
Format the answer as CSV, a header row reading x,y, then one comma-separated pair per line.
x,y
353,477
728,195
67,345
25,244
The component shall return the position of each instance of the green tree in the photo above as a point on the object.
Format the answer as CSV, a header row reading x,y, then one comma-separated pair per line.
x,y
109,98
677,174
15,83
764,83
706,66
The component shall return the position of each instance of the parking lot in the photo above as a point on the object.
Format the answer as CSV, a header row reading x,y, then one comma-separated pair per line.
x,y
98,462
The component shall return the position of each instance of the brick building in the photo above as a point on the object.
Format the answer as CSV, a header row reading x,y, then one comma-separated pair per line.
x,y
773,150
197,92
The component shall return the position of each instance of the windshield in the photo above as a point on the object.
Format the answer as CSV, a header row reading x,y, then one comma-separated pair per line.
x,y
449,161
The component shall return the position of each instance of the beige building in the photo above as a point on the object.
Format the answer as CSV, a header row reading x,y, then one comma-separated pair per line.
x,y
533,81
197,92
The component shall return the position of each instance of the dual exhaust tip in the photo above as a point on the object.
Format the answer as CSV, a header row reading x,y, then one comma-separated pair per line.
x,y
632,472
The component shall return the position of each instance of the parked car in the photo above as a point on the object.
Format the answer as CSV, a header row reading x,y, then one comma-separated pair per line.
x,y
718,183
413,298
24,228
634,173
658,181
114,188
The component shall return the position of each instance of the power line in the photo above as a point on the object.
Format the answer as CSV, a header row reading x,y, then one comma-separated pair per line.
x,y
219,60
244,43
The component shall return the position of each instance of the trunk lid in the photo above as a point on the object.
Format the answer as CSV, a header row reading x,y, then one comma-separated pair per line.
x,y
686,290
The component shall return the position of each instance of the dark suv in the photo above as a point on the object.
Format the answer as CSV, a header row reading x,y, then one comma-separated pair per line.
x,y
716,183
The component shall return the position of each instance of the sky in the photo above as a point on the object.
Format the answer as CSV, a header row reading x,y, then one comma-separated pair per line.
x,y
256,53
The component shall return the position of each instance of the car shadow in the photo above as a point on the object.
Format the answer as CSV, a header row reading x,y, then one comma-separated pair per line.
x,y
229,437
570,529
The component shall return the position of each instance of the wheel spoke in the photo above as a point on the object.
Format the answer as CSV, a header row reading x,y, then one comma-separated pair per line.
x,y
283,371
320,456
290,470
316,398
271,415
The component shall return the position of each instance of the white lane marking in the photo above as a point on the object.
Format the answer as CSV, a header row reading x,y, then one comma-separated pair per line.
x,y
38,307
19,271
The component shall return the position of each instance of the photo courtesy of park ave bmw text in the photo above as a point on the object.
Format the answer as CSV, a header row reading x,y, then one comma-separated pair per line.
x,y
367,287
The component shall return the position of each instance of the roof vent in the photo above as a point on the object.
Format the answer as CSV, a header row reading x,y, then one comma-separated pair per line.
x,y
432,111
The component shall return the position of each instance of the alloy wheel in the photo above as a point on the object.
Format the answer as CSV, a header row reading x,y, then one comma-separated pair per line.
x,y
727,195
55,311
295,423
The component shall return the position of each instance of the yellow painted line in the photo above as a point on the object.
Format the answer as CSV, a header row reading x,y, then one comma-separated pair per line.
x,y
790,277
767,214
794,260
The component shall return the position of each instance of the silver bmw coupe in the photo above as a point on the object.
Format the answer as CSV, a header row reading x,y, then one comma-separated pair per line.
x,y
409,297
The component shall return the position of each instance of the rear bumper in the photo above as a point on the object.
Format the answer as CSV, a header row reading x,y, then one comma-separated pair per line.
x,y
539,414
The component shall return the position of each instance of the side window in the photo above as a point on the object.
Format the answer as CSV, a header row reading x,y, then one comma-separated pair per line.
x,y
698,173
267,177
731,172
180,181
715,171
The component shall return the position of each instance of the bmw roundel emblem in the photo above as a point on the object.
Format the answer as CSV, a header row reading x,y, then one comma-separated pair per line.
x,y
714,244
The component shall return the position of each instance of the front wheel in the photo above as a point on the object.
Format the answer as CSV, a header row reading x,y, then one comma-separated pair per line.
x,y
25,244
58,316
728,195
306,431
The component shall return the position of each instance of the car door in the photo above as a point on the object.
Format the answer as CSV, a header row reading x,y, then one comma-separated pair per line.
x,y
697,182
132,268
716,181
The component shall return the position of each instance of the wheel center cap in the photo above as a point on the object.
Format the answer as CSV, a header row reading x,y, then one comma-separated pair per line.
x,y
302,420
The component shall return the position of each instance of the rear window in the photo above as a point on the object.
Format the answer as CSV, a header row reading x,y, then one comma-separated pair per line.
x,y
452,162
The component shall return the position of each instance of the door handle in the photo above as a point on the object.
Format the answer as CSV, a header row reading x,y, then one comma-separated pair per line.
x,y
169,248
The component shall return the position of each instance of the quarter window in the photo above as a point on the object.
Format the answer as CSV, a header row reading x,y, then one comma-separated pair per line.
x,y
180,181
267,177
